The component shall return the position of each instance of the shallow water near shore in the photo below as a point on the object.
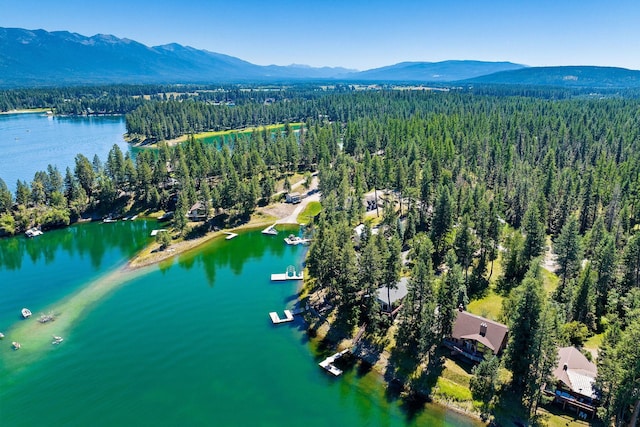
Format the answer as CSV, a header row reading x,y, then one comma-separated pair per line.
x,y
186,343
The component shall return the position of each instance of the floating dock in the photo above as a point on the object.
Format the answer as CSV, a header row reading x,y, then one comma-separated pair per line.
x,y
270,230
155,232
276,319
229,234
327,364
279,277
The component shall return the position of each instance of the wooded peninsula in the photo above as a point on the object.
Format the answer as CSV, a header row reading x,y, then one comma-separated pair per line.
x,y
477,237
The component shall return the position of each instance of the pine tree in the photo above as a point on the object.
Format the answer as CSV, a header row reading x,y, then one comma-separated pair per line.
x,y
524,327
567,248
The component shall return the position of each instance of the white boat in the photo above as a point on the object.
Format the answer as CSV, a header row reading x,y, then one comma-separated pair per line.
x,y
26,312
133,218
57,340
109,220
295,240
270,230
1,335
33,232
16,345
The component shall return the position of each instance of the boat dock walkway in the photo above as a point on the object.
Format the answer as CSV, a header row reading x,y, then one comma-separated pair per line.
x,y
276,319
279,277
229,234
327,364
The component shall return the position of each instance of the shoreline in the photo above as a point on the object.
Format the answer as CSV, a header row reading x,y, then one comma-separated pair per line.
x,y
26,111
379,365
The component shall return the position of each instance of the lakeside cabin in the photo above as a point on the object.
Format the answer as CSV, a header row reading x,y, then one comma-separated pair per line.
x,y
390,299
474,337
197,212
574,383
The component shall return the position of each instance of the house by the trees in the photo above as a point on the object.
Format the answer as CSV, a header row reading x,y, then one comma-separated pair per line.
x,y
389,299
197,212
475,337
293,198
573,387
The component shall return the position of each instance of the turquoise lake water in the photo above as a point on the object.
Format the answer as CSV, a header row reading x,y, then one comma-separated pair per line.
x,y
29,142
189,342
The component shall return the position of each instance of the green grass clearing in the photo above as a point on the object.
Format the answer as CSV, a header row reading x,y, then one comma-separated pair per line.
x,y
218,136
489,306
309,212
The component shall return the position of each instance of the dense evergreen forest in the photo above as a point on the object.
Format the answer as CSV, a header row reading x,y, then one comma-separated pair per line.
x,y
465,178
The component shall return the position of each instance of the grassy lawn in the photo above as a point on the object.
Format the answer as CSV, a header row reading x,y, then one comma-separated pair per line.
x,y
594,342
209,137
309,212
489,306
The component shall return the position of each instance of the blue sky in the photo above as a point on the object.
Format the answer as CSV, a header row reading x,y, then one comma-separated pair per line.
x,y
359,34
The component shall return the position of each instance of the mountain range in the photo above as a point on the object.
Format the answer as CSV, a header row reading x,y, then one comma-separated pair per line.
x,y
32,58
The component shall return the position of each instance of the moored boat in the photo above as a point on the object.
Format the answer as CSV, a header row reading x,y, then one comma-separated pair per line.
x,y
16,345
25,312
33,232
57,340
295,240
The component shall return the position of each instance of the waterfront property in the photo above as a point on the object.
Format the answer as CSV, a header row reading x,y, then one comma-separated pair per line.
x,y
474,337
574,378
198,212
390,299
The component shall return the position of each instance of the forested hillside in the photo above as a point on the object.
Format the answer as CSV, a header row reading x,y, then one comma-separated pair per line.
x,y
469,181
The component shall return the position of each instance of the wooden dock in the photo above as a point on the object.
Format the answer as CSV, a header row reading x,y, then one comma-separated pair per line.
x,y
279,277
229,234
327,364
276,319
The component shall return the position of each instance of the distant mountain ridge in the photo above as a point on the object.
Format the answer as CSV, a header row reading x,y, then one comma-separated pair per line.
x,y
445,71
31,58
567,76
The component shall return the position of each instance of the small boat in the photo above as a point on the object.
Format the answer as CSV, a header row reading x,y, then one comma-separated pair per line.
x,y
270,230
33,232
295,240
57,340
133,218
1,335
16,345
109,219
26,312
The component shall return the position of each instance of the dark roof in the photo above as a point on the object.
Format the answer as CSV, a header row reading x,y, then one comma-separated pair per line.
x,y
579,373
470,327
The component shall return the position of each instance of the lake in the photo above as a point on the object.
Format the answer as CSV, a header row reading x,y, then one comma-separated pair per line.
x,y
188,342
29,142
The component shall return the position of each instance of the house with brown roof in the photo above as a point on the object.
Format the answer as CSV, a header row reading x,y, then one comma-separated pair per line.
x,y
574,379
475,337
197,212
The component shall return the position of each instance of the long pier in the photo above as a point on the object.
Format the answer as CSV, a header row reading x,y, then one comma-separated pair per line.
x,y
327,364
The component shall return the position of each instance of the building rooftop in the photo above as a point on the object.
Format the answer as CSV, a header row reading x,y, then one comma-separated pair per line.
x,y
487,332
